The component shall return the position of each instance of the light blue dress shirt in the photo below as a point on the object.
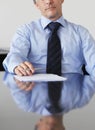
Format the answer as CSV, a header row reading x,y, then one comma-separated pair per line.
x,y
30,44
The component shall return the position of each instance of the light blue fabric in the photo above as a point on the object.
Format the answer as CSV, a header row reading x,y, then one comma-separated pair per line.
x,y
30,44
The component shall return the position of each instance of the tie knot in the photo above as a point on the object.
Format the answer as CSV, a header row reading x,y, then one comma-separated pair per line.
x,y
53,26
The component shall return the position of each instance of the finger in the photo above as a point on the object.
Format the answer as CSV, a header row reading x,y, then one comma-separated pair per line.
x,y
30,86
17,71
21,86
25,86
28,71
30,66
24,66
20,71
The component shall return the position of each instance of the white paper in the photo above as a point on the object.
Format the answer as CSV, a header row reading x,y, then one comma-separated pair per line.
x,y
41,77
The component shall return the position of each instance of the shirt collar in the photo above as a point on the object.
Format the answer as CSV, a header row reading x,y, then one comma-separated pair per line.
x,y
45,21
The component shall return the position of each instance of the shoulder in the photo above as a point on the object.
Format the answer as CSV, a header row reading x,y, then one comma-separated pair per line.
x,y
78,29
28,27
75,26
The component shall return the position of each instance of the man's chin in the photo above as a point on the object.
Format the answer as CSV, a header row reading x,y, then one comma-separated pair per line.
x,y
51,16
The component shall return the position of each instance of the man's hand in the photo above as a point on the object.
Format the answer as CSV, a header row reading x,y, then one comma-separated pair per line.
x,y
26,86
24,69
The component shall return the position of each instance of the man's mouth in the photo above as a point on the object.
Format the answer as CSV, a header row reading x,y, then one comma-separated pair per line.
x,y
49,8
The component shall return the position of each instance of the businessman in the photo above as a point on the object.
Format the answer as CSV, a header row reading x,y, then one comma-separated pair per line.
x,y
30,44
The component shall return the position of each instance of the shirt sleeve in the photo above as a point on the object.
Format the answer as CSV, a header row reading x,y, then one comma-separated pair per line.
x,y
19,50
88,47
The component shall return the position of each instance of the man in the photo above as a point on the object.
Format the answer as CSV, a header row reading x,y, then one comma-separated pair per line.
x,y
29,45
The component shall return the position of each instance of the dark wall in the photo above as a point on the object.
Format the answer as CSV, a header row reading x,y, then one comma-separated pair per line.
x,y
2,57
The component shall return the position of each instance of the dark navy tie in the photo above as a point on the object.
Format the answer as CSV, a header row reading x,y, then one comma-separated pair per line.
x,y
54,67
54,50
54,93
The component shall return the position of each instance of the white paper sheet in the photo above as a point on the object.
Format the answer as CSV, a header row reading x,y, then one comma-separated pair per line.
x,y
41,77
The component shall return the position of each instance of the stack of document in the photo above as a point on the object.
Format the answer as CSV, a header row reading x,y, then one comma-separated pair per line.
x,y
40,77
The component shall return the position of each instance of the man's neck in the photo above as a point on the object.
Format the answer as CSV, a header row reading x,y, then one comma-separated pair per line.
x,y
54,18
